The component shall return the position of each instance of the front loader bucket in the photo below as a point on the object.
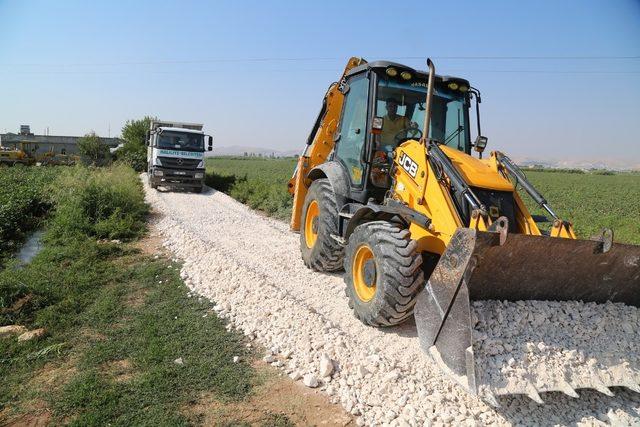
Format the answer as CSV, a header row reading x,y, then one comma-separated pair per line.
x,y
476,266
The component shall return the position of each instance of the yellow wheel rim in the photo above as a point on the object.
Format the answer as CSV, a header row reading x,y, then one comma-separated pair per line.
x,y
311,224
364,274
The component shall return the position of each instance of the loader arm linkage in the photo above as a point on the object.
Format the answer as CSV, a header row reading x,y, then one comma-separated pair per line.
x,y
560,227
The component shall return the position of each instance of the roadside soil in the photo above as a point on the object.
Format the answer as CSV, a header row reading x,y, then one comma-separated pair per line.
x,y
275,396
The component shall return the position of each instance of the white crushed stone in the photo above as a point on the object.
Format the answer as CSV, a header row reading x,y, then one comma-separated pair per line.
x,y
310,381
326,366
251,267
557,345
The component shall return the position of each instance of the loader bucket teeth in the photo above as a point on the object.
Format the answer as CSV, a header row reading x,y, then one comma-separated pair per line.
x,y
477,266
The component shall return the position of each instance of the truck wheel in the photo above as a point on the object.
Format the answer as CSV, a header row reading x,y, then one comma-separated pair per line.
x,y
319,250
383,273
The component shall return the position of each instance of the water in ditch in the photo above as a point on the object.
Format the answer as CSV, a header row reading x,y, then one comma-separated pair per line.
x,y
30,249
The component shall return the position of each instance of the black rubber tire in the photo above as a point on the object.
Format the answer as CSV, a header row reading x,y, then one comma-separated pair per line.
x,y
398,269
151,180
326,254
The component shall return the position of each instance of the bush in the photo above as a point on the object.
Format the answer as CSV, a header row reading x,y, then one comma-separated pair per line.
x,y
92,148
133,155
105,203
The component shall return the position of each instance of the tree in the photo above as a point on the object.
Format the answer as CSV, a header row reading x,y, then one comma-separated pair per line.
x,y
92,147
134,150
135,131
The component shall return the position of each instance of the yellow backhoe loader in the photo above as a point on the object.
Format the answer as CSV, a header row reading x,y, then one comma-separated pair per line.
x,y
51,158
19,153
388,189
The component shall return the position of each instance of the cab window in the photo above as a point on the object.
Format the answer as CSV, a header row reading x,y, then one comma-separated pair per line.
x,y
448,114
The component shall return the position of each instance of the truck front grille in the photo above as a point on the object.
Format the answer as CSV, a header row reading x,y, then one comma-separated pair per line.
x,y
179,163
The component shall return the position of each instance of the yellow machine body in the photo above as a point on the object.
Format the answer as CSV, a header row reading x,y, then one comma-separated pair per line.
x,y
488,246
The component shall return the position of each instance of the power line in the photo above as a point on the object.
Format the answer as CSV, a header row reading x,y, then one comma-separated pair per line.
x,y
310,59
299,70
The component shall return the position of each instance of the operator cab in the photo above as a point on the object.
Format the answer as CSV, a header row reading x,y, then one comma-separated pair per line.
x,y
180,139
385,106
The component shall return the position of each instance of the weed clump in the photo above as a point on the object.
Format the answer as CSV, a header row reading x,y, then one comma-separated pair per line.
x,y
103,203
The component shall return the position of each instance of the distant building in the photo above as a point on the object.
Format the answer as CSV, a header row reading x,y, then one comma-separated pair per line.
x,y
41,144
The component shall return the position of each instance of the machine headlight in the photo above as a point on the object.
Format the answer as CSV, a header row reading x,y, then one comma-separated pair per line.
x,y
406,75
463,88
198,175
392,72
158,173
453,85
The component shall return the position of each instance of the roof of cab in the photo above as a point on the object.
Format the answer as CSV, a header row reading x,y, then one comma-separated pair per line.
x,y
383,65
163,128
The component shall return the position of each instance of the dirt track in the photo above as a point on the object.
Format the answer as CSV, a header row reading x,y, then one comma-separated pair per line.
x,y
251,267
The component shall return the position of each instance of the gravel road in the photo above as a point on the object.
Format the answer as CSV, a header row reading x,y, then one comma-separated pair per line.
x,y
251,268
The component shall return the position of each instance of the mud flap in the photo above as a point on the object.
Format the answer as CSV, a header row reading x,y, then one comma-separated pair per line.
x,y
485,266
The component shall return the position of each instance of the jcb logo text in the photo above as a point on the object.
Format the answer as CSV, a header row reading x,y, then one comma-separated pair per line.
x,y
409,165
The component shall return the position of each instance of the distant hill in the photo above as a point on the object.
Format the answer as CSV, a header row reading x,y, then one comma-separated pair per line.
x,y
240,150
584,164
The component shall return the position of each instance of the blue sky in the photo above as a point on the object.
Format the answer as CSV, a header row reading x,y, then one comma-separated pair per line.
x,y
255,71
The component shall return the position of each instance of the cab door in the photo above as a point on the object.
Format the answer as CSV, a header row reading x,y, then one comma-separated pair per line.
x,y
351,146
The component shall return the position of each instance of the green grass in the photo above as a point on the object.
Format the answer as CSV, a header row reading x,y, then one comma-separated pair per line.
x,y
591,200
106,306
85,305
166,326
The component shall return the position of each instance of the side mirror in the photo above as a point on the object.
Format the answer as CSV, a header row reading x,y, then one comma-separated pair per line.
x,y
480,144
209,143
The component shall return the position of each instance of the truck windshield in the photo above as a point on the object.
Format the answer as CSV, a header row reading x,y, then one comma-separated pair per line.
x,y
181,141
448,117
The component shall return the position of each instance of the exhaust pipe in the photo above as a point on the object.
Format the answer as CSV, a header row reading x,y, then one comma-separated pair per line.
x,y
427,113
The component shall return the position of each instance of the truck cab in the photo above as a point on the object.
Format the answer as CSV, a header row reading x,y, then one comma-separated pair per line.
x,y
175,155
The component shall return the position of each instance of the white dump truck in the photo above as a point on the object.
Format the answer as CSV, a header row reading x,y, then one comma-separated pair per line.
x,y
175,154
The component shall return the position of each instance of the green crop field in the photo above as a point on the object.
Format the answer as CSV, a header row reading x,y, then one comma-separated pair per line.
x,y
258,182
590,200
593,201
